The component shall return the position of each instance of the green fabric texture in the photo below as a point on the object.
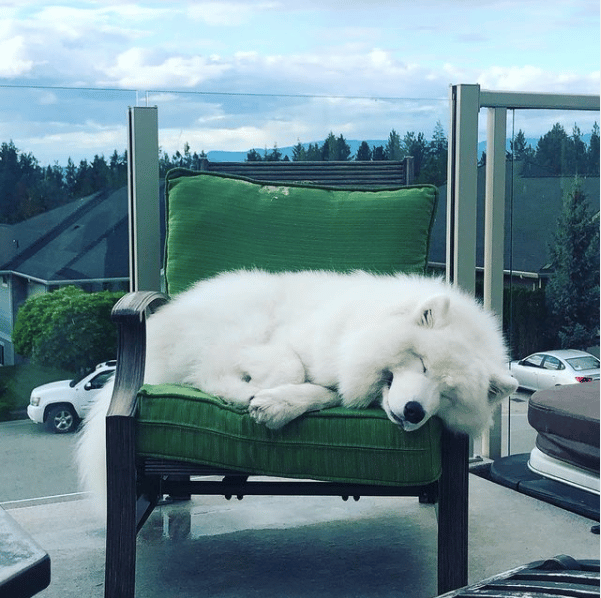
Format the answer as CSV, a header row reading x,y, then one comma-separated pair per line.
x,y
359,446
217,223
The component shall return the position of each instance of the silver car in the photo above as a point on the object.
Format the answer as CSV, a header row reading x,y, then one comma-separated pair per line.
x,y
552,368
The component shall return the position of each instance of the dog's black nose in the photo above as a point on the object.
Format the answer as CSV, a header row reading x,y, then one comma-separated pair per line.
x,y
414,412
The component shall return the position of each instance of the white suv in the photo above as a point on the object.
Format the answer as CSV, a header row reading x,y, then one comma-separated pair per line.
x,y
62,405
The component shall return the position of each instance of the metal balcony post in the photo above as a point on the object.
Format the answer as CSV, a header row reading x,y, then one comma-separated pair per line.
x,y
462,179
143,197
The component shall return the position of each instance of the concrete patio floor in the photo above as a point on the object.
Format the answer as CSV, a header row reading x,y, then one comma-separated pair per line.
x,y
300,547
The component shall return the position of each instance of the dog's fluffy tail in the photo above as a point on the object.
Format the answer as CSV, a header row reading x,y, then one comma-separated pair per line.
x,y
90,452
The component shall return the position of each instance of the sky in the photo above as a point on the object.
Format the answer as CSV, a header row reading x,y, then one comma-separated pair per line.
x,y
233,74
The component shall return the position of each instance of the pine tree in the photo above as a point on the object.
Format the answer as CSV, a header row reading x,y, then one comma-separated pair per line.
x,y
573,290
253,156
99,173
433,168
298,152
363,153
592,153
71,177
393,149
439,143
187,159
415,146
275,155
329,149
378,153
518,145
552,150
343,151
313,152
577,153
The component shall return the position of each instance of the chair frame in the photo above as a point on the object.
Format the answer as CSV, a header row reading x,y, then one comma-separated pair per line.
x,y
134,485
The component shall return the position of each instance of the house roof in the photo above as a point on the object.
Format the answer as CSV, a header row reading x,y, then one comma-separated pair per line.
x,y
87,238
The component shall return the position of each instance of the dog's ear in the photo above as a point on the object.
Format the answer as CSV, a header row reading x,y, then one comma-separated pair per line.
x,y
434,312
501,386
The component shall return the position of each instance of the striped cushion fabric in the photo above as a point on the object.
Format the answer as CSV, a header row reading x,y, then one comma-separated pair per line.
x,y
341,445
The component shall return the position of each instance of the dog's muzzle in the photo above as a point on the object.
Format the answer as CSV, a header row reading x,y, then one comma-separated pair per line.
x,y
414,412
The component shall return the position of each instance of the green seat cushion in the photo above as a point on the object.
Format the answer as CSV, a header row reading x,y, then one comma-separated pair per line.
x,y
217,223
344,445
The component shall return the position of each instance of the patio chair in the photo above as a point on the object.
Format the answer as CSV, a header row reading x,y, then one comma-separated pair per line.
x,y
159,437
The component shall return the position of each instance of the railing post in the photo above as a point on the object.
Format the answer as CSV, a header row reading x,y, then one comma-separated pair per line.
x,y
494,241
494,211
462,185
143,197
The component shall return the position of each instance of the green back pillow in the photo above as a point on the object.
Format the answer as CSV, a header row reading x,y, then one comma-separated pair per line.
x,y
217,223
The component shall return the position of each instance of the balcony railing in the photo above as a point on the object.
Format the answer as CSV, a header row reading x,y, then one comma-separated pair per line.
x,y
466,101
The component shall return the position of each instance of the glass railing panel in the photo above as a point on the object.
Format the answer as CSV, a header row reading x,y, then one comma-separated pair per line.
x,y
59,149
551,251
240,127
229,126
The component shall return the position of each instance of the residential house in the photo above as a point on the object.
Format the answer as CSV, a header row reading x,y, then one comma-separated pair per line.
x,y
84,243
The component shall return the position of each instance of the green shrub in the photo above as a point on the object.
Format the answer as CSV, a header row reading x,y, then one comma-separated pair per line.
x,y
68,328
17,382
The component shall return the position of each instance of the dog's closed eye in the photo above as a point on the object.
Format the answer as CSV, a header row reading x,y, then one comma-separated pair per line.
x,y
387,378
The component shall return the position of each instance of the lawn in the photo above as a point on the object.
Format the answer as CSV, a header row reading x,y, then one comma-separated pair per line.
x,y
16,384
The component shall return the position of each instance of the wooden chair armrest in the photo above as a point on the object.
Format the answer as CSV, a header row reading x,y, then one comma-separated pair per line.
x,y
129,313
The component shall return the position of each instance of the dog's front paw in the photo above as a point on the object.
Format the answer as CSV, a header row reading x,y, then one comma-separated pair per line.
x,y
269,408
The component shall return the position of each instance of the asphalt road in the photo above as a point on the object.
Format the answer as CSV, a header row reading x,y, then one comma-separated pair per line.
x,y
36,464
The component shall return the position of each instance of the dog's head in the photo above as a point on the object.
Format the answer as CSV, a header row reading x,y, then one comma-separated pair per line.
x,y
447,371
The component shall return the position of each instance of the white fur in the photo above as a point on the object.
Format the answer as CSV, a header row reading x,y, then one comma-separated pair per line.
x,y
285,344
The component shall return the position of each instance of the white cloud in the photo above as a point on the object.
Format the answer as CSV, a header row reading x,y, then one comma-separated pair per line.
x,y
359,49
13,57
221,123
77,142
144,69
535,79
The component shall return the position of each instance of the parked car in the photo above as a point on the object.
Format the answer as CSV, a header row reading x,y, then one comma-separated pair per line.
x,y
553,368
61,405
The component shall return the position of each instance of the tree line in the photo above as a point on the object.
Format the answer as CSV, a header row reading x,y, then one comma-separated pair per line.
x,y
27,188
430,157
556,153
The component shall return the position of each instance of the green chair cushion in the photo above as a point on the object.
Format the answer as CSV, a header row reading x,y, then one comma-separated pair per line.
x,y
218,223
343,445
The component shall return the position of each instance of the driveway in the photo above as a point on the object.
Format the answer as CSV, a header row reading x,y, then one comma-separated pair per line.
x,y
35,463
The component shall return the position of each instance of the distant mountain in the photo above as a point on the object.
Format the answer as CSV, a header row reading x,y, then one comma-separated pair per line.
x,y
225,156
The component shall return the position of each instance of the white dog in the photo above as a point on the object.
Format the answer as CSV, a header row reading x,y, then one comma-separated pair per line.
x,y
285,344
